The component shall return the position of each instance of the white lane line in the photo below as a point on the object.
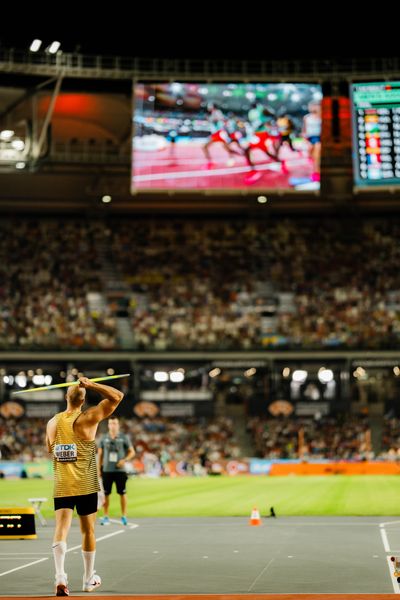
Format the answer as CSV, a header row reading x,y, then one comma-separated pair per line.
x,y
388,523
24,554
116,521
287,523
130,525
103,537
396,587
258,577
35,562
13,558
385,540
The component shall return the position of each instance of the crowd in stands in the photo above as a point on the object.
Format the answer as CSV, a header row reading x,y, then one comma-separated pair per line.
x,y
23,439
47,268
165,445
327,438
391,439
193,443
190,284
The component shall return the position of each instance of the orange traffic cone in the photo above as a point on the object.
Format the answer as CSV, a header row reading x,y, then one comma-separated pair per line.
x,y
255,518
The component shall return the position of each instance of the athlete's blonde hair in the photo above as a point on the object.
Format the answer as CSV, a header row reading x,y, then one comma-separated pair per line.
x,y
76,396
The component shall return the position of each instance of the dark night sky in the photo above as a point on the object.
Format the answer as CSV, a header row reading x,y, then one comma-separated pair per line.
x,y
205,31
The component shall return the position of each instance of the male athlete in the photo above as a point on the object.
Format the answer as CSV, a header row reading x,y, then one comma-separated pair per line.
x,y
70,437
115,449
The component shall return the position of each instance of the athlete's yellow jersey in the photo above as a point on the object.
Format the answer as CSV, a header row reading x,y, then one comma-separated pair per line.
x,y
74,460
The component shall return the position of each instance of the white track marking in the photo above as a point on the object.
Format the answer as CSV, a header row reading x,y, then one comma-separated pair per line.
x,y
386,545
13,558
385,540
24,554
104,537
258,576
116,521
388,523
396,586
35,562
129,525
292,525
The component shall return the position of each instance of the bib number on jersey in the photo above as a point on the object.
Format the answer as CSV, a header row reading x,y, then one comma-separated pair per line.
x,y
66,452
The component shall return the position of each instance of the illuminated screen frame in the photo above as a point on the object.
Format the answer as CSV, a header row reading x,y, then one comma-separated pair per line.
x,y
360,183
243,115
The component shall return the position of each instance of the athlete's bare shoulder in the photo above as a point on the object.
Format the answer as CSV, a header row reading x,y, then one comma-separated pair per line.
x,y
51,432
85,425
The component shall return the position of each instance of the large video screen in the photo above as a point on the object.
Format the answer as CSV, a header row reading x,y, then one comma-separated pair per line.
x,y
376,133
226,136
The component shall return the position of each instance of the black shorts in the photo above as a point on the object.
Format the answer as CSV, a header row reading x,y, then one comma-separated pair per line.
x,y
85,505
120,481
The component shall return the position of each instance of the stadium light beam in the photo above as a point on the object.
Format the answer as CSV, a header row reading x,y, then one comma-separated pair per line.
x,y
35,45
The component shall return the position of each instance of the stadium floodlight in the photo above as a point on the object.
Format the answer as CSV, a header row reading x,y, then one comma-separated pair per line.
x,y
54,47
35,46
325,375
21,380
160,376
18,144
250,372
299,375
6,135
215,372
176,376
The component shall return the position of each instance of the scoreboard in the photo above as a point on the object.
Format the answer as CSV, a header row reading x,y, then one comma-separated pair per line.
x,y
376,133
17,523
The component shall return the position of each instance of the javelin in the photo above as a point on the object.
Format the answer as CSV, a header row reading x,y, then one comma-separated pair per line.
x,y
62,385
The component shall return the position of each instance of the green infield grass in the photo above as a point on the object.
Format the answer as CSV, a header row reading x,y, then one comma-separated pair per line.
x,y
235,496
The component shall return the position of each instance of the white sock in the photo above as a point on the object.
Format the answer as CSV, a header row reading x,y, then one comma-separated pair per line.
x,y
88,563
59,550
